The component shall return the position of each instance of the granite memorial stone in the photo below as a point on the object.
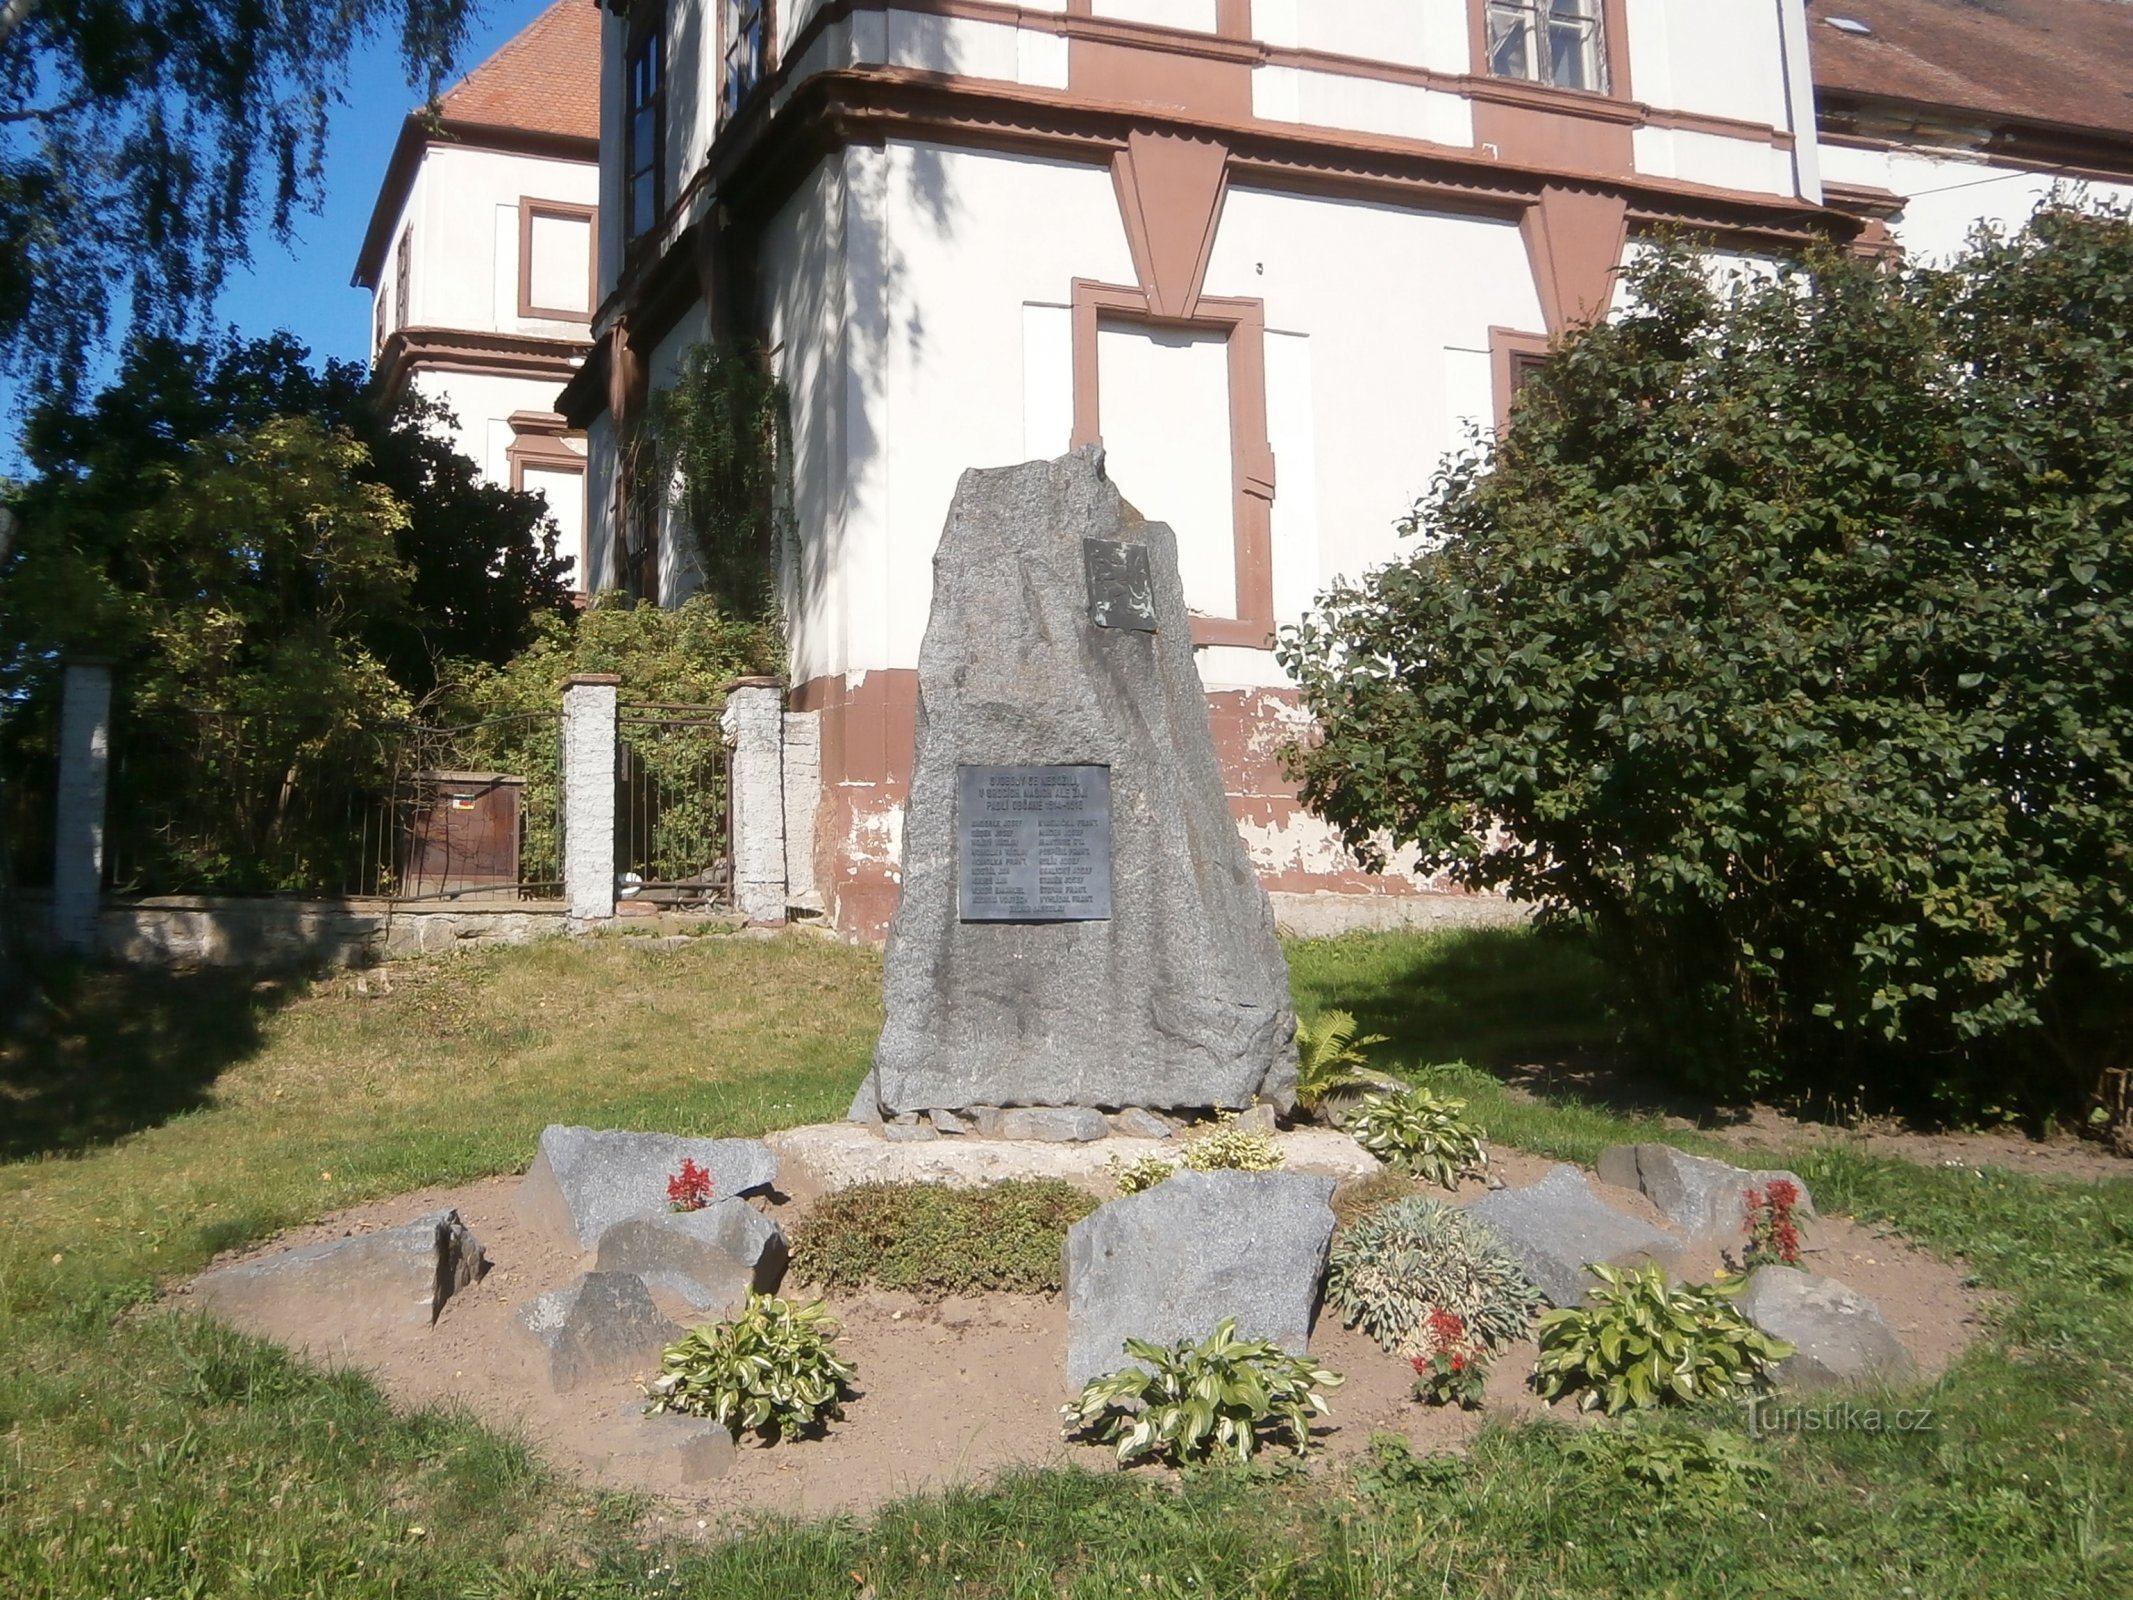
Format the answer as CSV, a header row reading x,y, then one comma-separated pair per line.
x,y
1111,947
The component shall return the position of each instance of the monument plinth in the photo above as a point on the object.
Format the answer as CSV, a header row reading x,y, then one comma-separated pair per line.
x,y
1080,924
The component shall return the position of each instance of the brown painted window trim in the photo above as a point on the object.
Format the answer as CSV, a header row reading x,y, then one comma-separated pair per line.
x,y
1614,52
548,453
1509,348
1251,455
403,276
563,211
766,74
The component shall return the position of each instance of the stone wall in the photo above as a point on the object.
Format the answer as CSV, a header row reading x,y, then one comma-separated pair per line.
x,y
211,931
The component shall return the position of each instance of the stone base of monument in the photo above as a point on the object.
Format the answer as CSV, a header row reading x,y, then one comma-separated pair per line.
x,y
837,1155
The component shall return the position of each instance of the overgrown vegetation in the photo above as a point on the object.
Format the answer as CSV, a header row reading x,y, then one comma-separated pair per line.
x,y
934,1240
1785,636
717,440
1642,1342
1192,1400
1390,1271
770,1369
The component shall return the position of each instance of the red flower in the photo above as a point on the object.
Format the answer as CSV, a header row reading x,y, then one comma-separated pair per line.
x,y
690,1188
1784,1194
1458,1362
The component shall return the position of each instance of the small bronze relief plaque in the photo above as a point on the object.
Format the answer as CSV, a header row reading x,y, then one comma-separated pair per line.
x,y
1121,594
1033,844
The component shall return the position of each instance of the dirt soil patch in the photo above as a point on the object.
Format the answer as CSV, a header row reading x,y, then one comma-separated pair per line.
x,y
949,1392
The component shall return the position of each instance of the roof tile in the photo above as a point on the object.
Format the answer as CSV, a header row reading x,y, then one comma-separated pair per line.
x,y
545,78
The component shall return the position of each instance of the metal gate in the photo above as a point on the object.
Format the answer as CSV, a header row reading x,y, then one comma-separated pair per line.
x,y
673,808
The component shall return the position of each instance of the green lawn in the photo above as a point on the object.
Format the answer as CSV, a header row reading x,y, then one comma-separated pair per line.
x,y
149,1454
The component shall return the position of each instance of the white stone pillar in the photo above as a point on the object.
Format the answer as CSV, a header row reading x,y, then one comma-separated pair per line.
x,y
803,798
754,723
589,706
78,823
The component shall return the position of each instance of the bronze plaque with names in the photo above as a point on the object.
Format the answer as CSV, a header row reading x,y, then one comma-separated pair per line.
x,y
1033,844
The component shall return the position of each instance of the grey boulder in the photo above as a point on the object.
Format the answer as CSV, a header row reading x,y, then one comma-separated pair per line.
x,y
1171,1262
634,1450
1043,1124
1558,1226
1707,1198
1839,1333
1179,999
583,1181
1137,1123
710,1258
597,1327
395,1278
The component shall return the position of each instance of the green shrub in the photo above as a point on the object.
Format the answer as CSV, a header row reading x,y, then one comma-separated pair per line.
x,y
1142,1172
1330,1058
1421,1132
1230,1148
1783,638
1196,1399
1641,1344
1390,1270
934,1240
770,1369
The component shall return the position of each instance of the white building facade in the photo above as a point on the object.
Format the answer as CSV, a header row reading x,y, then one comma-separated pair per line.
x,y
481,259
1278,256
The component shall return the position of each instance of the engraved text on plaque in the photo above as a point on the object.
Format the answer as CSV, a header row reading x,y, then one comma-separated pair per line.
x,y
1033,844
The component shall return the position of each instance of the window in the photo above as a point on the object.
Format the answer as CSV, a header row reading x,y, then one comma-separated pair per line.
x,y
1555,42
403,274
555,260
644,197
377,324
744,52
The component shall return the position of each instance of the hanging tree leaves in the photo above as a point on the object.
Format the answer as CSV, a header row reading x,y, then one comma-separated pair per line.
x,y
142,140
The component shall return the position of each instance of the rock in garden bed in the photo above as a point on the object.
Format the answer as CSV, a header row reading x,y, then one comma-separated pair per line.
x,y
1171,1262
583,1181
711,1258
397,1278
1840,1333
1705,1198
1559,1225
601,1325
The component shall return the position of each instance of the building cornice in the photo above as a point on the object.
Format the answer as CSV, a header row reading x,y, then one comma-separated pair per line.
x,y
418,133
1887,123
408,351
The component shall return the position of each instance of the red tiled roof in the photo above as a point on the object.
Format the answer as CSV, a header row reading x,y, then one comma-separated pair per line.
x,y
2063,62
545,79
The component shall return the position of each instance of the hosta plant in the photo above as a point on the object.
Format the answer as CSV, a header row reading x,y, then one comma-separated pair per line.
x,y
770,1369
1329,1058
1190,1401
1405,1262
1233,1149
1421,1132
1641,1343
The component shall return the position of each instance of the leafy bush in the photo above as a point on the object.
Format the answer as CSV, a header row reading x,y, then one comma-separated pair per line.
x,y
717,435
1641,1344
1230,1148
1420,1132
1391,1271
1196,1399
1330,1058
933,1240
770,1369
1142,1172
1786,636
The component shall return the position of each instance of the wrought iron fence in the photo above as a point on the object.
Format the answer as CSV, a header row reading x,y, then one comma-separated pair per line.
x,y
673,807
214,802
